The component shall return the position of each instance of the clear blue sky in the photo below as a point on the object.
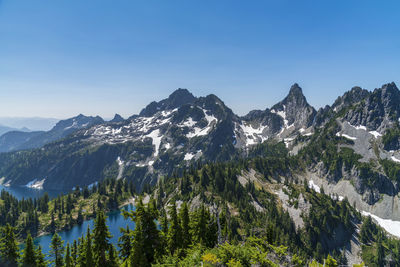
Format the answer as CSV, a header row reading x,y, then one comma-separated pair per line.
x,y
60,58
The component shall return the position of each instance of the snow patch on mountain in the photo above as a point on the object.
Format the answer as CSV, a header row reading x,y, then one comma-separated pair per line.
x,y
392,227
375,134
345,136
121,167
196,131
395,159
188,156
155,136
253,134
36,184
282,113
312,185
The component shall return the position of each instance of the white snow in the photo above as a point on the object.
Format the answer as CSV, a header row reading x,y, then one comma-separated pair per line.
x,y
346,136
36,184
204,131
188,156
361,127
154,135
253,133
301,130
189,122
395,159
121,167
392,227
312,185
73,125
337,197
375,134
151,162
287,141
167,146
282,113
308,134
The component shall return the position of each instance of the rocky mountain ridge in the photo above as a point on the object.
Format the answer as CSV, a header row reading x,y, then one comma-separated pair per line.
x,y
181,130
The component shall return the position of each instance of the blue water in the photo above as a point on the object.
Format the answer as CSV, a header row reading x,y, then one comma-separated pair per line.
x,y
115,221
24,192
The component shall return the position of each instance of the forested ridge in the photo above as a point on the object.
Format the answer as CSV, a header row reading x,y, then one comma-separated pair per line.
x,y
204,215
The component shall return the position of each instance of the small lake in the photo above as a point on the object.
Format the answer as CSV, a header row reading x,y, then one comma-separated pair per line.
x,y
115,221
25,192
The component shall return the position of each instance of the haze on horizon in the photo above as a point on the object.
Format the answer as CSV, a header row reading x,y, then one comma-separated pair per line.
x,y
62,58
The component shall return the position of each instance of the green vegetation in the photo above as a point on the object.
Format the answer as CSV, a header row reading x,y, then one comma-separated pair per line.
x,y
391,137
377,248
41,215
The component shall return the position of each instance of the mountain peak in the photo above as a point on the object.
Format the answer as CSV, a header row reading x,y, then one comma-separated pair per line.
x,y
296,92
178,98
390,88
117,118
296,108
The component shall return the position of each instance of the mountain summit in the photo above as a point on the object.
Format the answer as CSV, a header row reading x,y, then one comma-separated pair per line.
x,y
178,98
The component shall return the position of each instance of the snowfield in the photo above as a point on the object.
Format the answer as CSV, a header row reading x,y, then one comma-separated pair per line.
x,y
36,184
312,185
392,227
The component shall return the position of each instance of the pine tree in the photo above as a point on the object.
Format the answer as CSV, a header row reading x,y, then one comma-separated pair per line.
x,y
57,250
112,257
74,252
200,225
28,256
146,240
68,259
138,256
9,248
40,261
380,252
184,218
175,231
100,238
81,255
88,251
125,243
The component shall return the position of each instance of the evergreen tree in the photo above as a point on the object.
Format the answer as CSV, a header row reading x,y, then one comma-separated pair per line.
x,y
68,259
380,252
40,261
9,248
28,256
101,237
184,218
88,251
125,243
112,257
175,231
57,250
146,239
138,256
74,252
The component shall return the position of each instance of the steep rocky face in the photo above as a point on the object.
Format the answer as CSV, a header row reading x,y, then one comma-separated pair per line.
x,y
355,95
296,113
117,118
380,111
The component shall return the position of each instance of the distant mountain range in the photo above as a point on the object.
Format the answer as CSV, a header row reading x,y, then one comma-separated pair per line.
x,y
5,129
31,123
343,145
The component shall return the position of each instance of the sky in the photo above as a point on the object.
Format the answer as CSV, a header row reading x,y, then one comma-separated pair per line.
x,y
97,57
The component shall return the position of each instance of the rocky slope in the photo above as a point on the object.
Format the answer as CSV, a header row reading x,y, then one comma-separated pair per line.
x,y
356,140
